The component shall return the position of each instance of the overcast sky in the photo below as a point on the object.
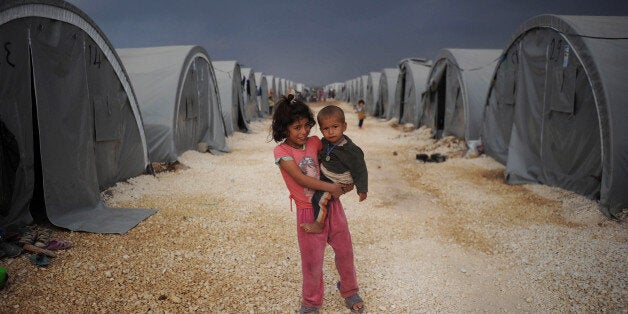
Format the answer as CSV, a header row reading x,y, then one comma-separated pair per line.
x,y
321,42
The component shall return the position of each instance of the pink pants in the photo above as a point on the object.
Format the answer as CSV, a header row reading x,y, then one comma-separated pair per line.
x,y
312,246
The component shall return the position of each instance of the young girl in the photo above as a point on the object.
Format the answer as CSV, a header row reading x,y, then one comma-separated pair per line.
x,y
296,156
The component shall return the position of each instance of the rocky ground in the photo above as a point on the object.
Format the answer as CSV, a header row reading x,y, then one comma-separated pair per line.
x,y
431,237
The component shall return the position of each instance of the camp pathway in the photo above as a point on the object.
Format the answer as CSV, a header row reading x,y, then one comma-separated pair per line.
x,y
431,237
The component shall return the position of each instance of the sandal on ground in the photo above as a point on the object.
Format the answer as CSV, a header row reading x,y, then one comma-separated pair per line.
x,y
306,309
28,236
9,250
43,237
39,259
351,301
55,244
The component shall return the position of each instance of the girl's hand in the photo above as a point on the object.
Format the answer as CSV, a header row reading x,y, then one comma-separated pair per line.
x,y
337,191
346,188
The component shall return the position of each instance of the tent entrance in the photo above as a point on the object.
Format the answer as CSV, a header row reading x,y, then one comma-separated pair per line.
x,y
439,119
402,99
37,204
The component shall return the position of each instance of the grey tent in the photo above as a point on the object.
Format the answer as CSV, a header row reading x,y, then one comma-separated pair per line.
x,y
262,93
355,90
249,94
372,91
556,111
231,100
178,96
272,88
279,91
413,75
456,91
69,120
363,87
386,99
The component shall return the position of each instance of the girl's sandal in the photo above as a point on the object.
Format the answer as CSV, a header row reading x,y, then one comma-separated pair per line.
x,y
351,301
305,309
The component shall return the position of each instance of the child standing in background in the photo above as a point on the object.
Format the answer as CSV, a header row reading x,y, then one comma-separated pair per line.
x,y
361,112
297,155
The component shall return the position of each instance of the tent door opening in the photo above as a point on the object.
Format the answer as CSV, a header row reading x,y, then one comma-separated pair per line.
x,y
402,99
37,204
441,100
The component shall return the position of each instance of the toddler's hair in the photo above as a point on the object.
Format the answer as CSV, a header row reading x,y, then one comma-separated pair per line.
x,y
287,111
331,111
361,101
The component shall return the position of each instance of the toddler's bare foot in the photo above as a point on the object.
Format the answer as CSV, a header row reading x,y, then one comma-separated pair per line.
x,y
312,227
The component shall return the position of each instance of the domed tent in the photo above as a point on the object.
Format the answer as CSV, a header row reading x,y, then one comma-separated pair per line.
x,y
249,94
557,104
456,91
413,75
262,92
69,120
177,93
230,91
386,99
372,91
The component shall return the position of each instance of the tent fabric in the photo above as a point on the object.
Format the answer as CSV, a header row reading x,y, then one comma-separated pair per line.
x,y
556,106
262,93
408,106
270,80
231,100
64,74
176,92
456,91
372,91
249,94
386,99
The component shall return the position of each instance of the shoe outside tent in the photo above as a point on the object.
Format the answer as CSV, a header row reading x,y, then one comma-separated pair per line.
x,y
456,91
178,96
68,105
556,111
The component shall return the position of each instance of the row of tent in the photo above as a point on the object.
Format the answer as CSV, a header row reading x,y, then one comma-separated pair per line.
x,y
552,106
77,116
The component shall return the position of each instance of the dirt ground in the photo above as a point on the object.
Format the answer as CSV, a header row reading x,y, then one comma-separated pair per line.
x,y
431,237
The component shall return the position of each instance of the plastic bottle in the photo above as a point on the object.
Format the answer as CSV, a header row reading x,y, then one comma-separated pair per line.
x,y
3,277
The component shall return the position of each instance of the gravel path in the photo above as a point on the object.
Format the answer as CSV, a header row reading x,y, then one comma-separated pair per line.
x,y
431,237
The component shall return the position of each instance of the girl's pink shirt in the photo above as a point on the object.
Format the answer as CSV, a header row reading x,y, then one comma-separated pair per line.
x,y
307,160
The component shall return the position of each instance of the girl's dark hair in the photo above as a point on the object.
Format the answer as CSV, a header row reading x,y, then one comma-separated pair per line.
x,y
287,111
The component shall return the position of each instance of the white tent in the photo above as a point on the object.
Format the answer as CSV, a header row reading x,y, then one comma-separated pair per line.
x,y
386,99
456,91
413,75
556,111
231,101
69,120
178,96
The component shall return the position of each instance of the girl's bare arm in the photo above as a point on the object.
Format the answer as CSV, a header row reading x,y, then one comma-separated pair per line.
x,y
295,172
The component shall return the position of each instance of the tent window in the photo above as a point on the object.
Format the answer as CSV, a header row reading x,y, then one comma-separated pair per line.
x,y
190,108
106,119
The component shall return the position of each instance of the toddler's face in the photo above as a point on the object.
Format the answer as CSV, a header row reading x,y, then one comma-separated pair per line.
x,y
332,128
